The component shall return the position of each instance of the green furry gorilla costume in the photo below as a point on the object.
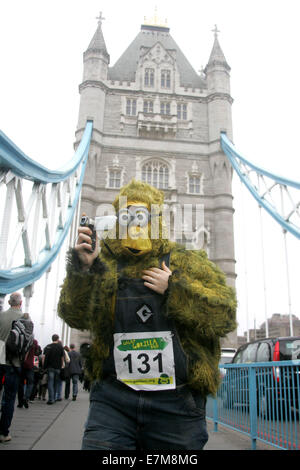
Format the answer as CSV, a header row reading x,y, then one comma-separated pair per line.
x,y
198,300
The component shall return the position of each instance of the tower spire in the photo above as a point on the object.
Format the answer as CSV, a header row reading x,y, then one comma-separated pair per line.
x,y
217,55
98,42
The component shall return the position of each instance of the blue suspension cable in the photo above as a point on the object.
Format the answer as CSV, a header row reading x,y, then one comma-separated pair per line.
x,y
235,160
12,158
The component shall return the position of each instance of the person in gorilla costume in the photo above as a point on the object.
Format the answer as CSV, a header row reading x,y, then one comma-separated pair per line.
x,y
156,313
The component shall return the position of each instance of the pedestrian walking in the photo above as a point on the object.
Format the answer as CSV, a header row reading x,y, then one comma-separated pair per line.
x,y
75,371
53,361
66,375
43,380
9,370
36,378
27,375
62,375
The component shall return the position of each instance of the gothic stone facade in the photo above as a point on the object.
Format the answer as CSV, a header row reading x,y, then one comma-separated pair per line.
x,y
155,119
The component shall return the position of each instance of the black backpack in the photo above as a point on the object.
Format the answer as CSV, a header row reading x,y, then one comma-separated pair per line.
x,y
20,339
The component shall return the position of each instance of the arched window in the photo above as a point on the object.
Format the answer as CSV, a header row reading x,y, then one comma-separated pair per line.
x,y
156,173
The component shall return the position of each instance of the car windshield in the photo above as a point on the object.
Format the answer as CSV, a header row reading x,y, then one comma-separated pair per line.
x,y
226,359
289,350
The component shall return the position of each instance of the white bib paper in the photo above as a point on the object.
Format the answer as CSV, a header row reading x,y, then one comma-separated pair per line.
x,y
145,361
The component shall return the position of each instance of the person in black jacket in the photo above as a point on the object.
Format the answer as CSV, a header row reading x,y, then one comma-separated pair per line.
x,y
75,370
53,362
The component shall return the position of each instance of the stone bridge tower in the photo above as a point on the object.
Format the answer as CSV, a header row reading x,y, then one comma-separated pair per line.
x,y
157,120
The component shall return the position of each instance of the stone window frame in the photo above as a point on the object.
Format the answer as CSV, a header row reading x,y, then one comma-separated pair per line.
x,y
194,174
165,79
182,111
165,108
149,77
131,106
148,106
114,167
170,162
158,172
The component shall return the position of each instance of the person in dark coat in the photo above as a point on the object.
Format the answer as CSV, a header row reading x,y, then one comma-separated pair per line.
x,y
53,362
75,370
9,369
66,374
27,375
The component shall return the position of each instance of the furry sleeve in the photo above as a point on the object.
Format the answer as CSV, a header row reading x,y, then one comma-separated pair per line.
x,y
77,291
198,297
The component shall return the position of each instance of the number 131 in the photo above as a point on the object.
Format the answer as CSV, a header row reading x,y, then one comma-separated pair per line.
x,y
145,363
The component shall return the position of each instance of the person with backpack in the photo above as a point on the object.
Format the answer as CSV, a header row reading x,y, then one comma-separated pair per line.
x,y
9,367
27,375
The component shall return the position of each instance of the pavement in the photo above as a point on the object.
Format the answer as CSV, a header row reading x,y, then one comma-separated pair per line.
x,y
60,427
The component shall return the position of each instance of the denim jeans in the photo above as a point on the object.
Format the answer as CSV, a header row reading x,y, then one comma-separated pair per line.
x,y
58,388
11,383
123,419
75,378
53,383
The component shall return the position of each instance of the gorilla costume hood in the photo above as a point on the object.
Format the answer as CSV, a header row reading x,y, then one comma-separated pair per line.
x,y
154,239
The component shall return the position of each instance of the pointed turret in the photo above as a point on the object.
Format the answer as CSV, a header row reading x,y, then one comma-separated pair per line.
x,y
217,69
96,53
218,86
95,71
97,43
217,56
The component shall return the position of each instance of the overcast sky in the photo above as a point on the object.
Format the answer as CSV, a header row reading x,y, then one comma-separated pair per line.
x,y
41,48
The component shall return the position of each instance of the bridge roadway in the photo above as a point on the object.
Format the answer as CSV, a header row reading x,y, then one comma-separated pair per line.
x,y
60,427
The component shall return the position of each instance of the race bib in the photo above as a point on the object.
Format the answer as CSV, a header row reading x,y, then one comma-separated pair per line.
x,y
145,361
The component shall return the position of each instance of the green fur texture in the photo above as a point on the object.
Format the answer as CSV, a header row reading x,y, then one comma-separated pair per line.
x,y
198,299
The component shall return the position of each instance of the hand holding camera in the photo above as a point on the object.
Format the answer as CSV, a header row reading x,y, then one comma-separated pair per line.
x,y
87,245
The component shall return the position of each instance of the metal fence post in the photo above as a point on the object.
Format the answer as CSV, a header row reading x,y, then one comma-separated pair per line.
x,y
253,405
215,413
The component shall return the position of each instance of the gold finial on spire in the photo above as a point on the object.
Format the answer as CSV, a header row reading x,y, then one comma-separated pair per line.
x,y
216,31
155,20
100,18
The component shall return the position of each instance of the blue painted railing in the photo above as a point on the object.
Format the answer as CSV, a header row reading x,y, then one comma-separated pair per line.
x,y
260,400
12,158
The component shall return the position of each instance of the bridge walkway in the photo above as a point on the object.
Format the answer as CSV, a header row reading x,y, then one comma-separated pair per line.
x,y
60,427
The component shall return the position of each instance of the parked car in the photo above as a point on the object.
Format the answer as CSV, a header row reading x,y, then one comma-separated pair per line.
x,y
277,387
227,355
269,349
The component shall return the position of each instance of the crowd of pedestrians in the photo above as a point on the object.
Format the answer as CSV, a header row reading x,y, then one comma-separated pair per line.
x,y
43,374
